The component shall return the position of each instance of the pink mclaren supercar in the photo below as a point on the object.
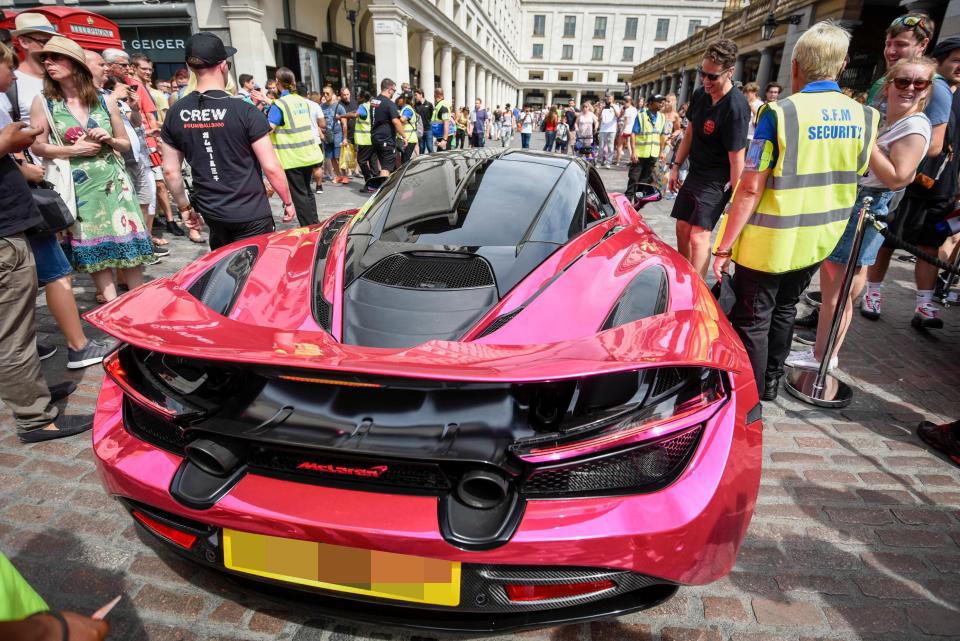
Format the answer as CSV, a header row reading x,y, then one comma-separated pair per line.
x,y
490,399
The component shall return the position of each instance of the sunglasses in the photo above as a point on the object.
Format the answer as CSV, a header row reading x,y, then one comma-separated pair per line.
x,y
713,77
911,22
904,83
39,41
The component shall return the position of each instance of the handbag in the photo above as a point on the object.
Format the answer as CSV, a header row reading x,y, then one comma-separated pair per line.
x,y
57,171
56,215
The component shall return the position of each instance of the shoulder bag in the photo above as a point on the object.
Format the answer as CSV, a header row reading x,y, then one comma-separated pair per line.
x,y
57,171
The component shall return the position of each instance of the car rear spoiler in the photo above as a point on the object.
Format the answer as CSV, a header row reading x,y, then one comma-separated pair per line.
x,y
160,316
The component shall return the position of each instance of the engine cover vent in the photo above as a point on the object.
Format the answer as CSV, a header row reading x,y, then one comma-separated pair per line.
x,y
431,271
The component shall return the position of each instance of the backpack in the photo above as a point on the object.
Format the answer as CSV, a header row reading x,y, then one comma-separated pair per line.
x,y
419,124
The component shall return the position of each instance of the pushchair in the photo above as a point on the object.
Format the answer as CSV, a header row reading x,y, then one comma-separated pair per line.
x,y
586,148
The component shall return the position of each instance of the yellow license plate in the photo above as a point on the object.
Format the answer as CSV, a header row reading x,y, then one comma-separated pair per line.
x,y
334,567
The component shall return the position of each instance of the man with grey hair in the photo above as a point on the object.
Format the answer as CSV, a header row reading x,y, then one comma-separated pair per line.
x,y
794,198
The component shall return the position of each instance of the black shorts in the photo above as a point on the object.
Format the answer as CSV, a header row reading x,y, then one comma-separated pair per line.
x,y
386,154
700,202
915,220
222,233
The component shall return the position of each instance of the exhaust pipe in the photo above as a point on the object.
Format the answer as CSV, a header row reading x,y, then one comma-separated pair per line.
x,y
482,489
216,458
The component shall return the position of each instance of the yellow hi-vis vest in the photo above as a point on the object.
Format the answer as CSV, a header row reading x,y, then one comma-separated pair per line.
x,y
435,118
824,141
410,127
646,144
361,132
294,140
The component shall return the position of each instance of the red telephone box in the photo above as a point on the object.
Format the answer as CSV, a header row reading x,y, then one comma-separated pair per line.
x,y
89,30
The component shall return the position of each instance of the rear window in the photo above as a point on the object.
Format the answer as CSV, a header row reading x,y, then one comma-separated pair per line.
x,y
485,203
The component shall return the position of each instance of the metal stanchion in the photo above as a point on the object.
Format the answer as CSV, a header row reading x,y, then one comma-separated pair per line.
x,y
819,387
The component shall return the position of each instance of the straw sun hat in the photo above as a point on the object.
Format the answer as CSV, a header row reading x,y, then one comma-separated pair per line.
x,y
65,47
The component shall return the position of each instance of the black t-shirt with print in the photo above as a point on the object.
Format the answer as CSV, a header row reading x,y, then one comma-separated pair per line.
x,y
215,132
384,111
18,212
717,130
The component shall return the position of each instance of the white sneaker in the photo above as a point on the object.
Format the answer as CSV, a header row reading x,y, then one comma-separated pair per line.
x,y
870,305
804,359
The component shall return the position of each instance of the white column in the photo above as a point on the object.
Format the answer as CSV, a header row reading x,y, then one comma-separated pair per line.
x,y
446,72
426,64
461,77
489,98
549,97
481,84
389,43
577,100
245,21
471,84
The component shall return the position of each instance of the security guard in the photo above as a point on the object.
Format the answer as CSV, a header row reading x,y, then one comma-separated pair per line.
x,y
296,145
440,120
645,144
793,200
366,155
408,116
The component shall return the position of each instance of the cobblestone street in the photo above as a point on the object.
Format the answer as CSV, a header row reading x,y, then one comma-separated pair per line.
x,y
856,533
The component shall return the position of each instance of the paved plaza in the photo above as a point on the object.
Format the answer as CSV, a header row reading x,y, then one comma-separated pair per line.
x,y
856,533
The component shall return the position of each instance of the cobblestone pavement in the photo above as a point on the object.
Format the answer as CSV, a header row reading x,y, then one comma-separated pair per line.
x,y
855,535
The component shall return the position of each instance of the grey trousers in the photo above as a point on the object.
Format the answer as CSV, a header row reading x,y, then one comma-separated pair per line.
x,y
22,386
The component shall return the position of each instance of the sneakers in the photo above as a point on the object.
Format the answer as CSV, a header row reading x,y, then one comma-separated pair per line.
x,y
804,359
942,438
66,426
343,180
160,251
809,321
805,336
45,351
813,299
771,388
870,305
175,229
91,354
319,189
927,316
153,260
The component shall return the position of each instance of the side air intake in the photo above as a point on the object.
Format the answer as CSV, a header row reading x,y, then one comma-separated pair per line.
x,y
431,271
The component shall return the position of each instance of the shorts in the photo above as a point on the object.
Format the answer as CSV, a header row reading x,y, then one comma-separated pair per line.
x,y
386,154
141,175
701,202
223,233
915,220
52,263
872,240
332,149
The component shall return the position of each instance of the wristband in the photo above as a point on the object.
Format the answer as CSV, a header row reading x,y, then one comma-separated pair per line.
x,y
722,253
64,628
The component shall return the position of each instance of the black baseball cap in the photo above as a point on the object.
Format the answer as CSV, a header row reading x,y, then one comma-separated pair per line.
x,y
656,98
945,46
208,47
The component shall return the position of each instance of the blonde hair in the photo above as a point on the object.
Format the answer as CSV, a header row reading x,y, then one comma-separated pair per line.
x,y
920,61
821,51
6,56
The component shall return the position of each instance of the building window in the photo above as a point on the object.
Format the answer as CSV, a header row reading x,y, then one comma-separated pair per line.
x,y
600,27
663,26
597,53
535,75
539,25
569,26
565,76
594,77
567,53
623,77
693,27
630,33
628,54
537,51
657,51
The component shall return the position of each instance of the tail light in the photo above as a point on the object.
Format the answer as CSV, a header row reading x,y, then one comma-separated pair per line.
x,y
118,373
544,592
168,532
626,409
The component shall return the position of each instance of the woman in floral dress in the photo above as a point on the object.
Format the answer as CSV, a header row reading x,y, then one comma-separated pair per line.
x,y
109,232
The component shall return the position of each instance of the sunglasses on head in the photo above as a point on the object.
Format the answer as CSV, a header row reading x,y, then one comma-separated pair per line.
x,y
911,22
713,77
904,83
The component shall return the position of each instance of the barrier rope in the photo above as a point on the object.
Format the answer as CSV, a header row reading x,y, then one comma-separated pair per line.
x,y
899,243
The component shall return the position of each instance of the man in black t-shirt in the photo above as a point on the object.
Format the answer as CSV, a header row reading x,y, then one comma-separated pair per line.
x,y
226,143
424,109
715,140
387,127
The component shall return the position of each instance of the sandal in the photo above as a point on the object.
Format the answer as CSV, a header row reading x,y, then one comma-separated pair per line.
x,y
160,242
